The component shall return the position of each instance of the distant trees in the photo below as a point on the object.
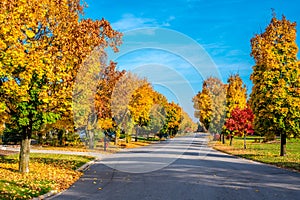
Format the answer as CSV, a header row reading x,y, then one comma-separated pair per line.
x,y
136,107
275,97
210,104
203,107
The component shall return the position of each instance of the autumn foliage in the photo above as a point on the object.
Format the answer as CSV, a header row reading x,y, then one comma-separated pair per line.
x,y
48,172
275,96
240,122
41,53
210,104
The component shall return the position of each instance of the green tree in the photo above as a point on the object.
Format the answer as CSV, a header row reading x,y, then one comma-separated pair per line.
x,y
275,96
173,119
157,113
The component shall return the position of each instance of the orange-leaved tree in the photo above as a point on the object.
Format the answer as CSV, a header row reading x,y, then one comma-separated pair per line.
x,y
42,45
108,78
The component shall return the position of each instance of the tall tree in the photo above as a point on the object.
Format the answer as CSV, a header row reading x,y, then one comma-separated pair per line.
x,y
120,100
236,97
203,107
109,76
42,44
275,96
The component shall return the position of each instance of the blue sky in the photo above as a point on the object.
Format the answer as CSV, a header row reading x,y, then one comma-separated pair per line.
x,y
222,30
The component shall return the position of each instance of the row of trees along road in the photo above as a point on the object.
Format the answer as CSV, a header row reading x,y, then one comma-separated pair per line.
x,y
275,98
222,108
53,70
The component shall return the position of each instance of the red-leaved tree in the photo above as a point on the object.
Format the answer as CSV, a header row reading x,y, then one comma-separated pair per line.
x,y
240,122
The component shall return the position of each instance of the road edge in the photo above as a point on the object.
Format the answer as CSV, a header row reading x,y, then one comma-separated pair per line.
x,y
54,193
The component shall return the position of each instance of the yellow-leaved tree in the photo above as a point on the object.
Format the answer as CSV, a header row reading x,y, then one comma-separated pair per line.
x,y
42,45
210,104
236,95
140,106
275,97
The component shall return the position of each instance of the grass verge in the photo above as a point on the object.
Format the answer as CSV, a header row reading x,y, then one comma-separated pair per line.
x,y
264,152
47,172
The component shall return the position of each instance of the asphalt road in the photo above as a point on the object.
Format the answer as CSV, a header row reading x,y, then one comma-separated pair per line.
x,y
184,169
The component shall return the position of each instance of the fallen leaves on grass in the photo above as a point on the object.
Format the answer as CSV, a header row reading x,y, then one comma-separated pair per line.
x,y
46,173
133,144
75,149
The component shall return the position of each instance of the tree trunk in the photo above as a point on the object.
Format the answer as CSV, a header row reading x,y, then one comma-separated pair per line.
x,y
223,138
283,144
117,135
245,146
60,137
91,139
231,138
116,140
104,146
136,134
25,151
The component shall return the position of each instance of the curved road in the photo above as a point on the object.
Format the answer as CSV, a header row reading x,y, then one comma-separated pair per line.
x,y
183,168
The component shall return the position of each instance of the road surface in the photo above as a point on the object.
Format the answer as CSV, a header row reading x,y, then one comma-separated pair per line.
x,y
183,168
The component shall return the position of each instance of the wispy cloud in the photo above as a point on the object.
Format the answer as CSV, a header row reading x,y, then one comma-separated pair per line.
x,y
130,21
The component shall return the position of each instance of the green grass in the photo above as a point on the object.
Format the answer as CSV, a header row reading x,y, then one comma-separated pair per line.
x,y
265,152
47,172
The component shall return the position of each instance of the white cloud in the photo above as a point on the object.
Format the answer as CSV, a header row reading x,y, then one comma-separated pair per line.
x,y
129,21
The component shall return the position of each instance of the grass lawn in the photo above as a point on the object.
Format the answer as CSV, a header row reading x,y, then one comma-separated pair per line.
x,y
264,152
47,172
